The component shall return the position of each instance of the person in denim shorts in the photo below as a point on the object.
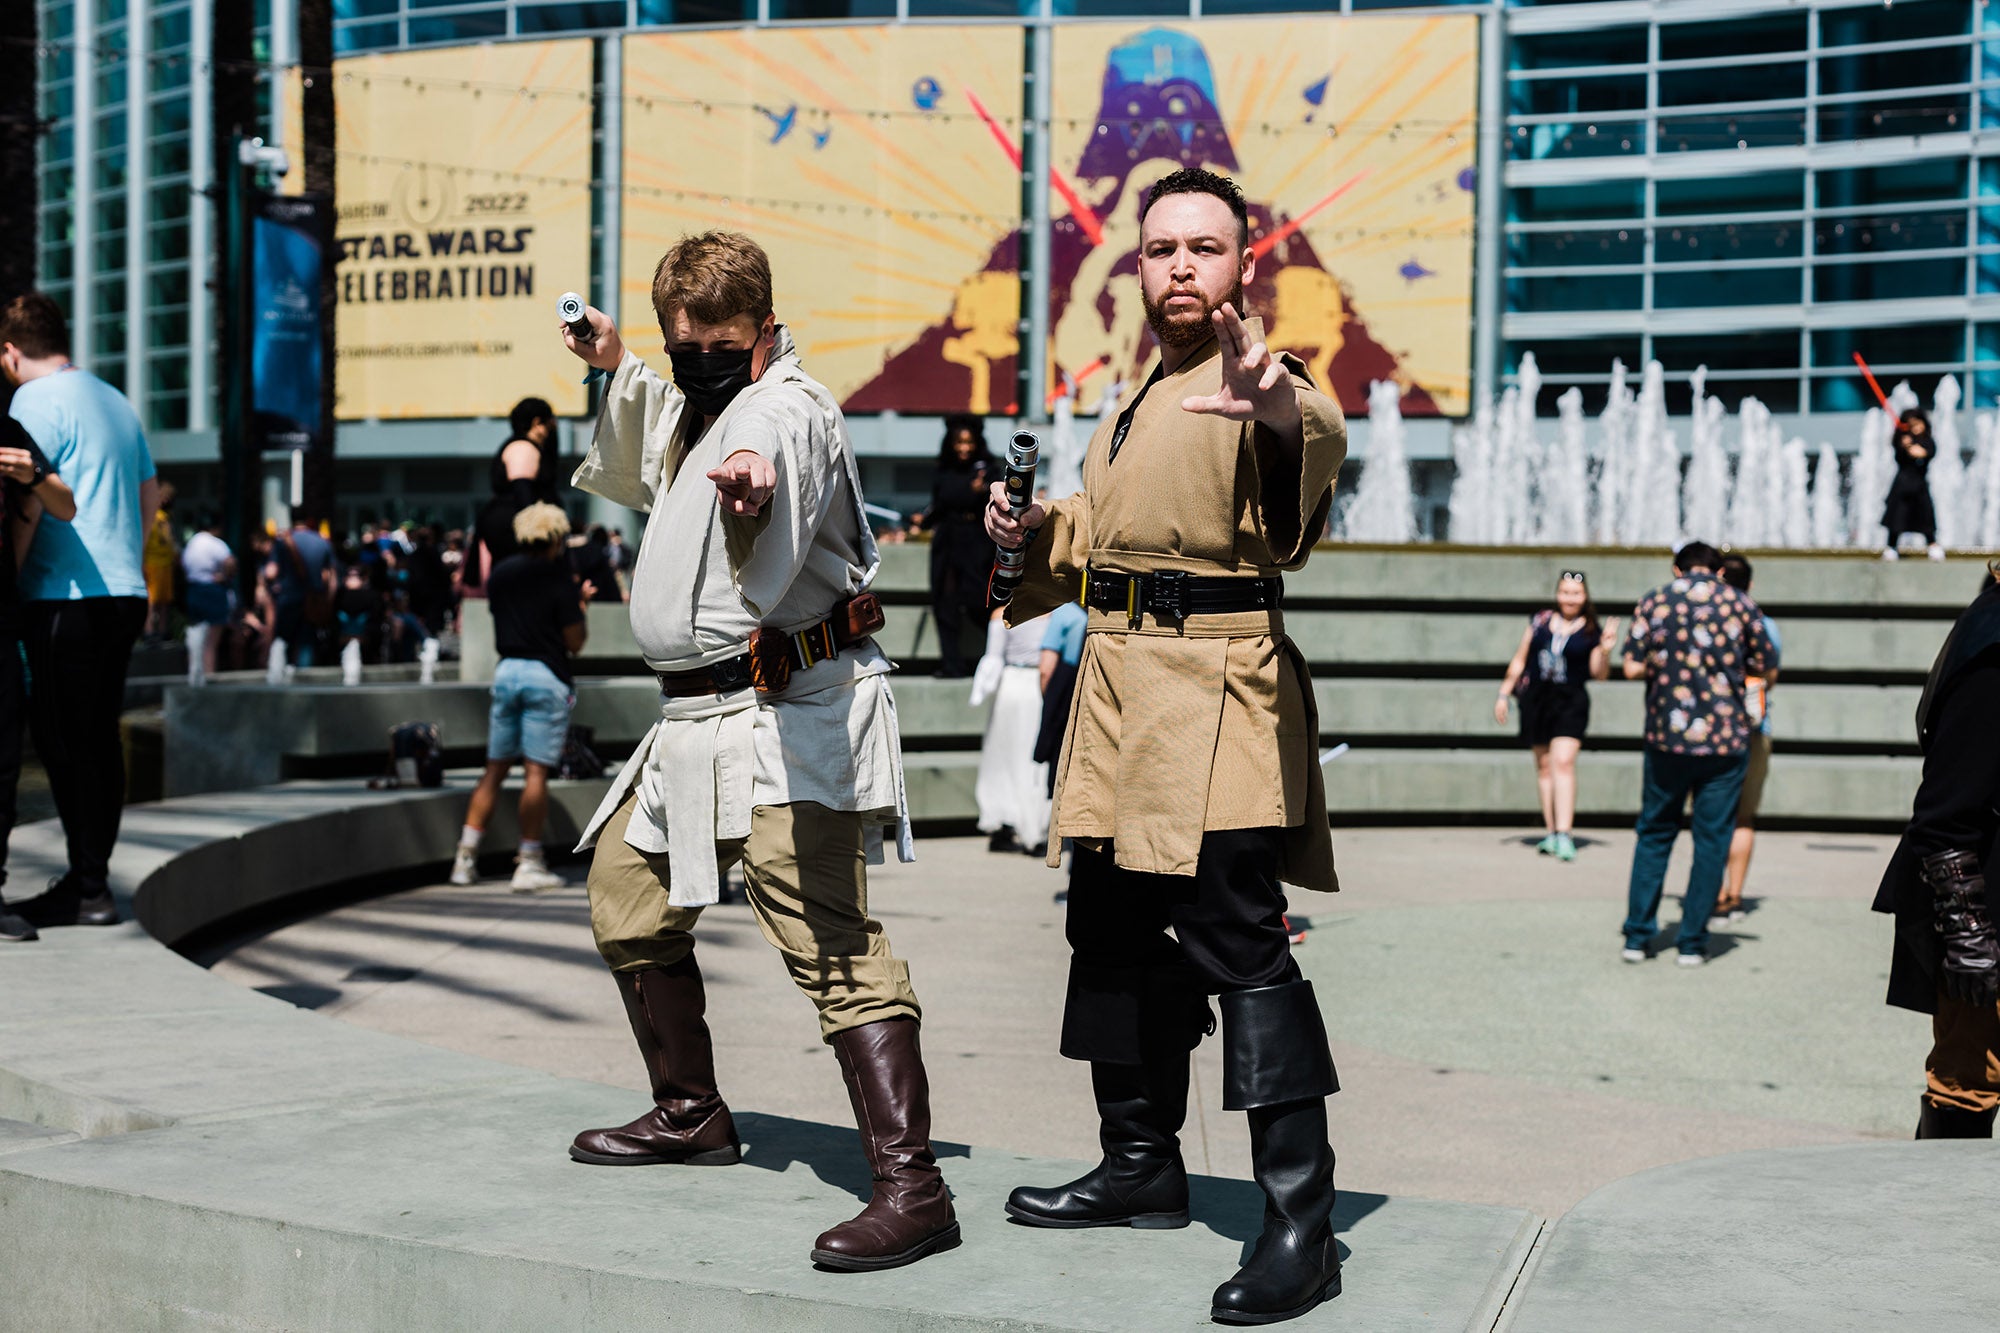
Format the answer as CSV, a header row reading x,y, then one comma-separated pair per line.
x,y
538,624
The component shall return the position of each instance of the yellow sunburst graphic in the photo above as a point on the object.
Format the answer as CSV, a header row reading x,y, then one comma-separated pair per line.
x,y
873,164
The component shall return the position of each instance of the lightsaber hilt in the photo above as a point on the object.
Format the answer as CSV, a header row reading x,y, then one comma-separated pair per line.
x,y
1023,453
570,309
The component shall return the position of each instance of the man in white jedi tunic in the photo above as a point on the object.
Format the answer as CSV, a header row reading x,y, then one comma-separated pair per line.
x,y
776,745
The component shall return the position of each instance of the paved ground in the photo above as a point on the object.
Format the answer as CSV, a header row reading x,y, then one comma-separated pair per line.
x,y
1492,1046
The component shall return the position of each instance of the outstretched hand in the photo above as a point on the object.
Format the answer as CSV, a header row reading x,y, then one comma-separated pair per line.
x,y
1255,386
606,350
745,482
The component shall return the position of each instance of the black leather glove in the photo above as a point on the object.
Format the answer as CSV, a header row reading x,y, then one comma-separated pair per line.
x,y
1969,962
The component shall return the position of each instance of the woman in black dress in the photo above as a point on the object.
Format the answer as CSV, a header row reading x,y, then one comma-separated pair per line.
x,y
1909,508
1561,649
961,552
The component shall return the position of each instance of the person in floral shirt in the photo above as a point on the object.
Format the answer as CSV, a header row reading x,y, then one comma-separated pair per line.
x,y
1696,643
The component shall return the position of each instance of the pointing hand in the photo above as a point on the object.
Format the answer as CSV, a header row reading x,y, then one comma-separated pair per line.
x,y
746,482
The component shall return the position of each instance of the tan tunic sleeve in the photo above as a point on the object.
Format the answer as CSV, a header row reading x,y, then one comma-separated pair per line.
x,y
1295,495
1056,560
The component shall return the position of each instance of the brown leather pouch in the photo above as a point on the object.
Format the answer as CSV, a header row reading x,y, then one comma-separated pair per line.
x,y
770,660
858,617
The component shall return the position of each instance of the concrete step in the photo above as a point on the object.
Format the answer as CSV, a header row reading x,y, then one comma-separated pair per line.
x,y
1457,639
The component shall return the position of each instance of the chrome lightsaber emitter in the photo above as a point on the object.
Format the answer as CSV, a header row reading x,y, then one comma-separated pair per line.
x,y
1023,452
570,308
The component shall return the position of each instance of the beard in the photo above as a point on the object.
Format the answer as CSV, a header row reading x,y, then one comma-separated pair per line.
x,y
1187,328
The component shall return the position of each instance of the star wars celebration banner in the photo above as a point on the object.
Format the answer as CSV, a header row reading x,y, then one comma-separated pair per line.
x,y
1354,140
879,166
463,212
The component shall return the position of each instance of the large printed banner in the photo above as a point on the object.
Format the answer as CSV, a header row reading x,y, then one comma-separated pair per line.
x,y
878,166
1354,140
287,251
464,212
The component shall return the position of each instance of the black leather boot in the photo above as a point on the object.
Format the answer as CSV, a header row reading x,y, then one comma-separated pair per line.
x,y
1136,1026
1276,1066
1141,1181
1952,1122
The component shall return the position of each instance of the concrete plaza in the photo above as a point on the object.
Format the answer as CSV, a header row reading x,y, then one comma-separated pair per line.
x,y
1493,1048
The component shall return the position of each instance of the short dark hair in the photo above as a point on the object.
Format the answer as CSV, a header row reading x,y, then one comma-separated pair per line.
x,y
34,323
1696,555
1198,180
1735,571
526,413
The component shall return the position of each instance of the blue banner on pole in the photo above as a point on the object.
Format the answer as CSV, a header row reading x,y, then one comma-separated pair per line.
x,y
288,251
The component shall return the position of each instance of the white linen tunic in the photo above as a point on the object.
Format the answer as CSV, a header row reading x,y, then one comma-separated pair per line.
x,y
705,579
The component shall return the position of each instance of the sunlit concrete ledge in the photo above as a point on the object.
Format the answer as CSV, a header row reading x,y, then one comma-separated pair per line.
x,y
177,1152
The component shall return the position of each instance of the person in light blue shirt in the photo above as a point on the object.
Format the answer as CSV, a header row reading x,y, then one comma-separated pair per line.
x,y
83,595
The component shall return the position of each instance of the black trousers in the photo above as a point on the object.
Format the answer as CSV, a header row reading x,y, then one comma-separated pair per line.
x,y
78,653
1228,920
13,718
1134,990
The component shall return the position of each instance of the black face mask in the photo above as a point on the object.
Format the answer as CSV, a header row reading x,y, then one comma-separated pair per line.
x,y
710,379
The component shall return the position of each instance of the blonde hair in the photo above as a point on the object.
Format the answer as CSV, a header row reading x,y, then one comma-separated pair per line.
x,y
715,277
541,525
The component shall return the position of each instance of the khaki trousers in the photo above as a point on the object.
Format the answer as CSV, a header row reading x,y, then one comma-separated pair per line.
x,y
806,872
1963,1070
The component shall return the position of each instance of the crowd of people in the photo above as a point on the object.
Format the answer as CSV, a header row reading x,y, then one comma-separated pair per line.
x,y
386,587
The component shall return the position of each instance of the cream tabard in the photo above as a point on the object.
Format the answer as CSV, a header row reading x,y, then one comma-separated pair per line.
x,y
705,579
1209,724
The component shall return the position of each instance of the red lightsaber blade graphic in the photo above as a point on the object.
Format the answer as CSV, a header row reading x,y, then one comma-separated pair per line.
x,y
1263,247
1077,379
1080,211
1869,375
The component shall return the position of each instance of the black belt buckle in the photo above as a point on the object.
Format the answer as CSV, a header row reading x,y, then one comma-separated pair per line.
x,y
1169,595
731,673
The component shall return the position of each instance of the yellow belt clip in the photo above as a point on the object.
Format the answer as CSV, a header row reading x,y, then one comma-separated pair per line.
x,y
1133,616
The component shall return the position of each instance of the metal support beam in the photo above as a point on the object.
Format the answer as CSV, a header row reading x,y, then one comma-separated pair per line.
x,y
138,176
1489,252
1034,346
83,193
201,218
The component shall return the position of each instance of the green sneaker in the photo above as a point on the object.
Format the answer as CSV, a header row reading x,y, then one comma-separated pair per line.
x,y
1565,847
1547,846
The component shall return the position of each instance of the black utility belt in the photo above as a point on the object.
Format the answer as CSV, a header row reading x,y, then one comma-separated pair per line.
x,y
1175,595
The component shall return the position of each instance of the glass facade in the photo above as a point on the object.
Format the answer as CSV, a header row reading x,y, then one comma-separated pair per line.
x,y
1765,194
114,243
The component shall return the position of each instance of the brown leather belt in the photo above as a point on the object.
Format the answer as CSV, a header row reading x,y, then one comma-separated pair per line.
x,y
774,655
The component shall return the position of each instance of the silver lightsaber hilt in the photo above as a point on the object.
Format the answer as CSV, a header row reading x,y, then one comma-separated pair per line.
x,y
1023,452
570,308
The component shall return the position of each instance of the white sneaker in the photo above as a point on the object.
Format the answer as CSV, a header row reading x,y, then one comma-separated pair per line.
x,y
1633,955
1891,553
532,874
1936,551
465,866
1691,959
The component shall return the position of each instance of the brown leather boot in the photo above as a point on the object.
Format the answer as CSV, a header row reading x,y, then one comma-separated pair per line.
x,y
689,1124
910,1215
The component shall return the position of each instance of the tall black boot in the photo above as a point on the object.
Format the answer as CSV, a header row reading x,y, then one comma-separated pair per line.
x,y
1136,1026
1276,1066
1952,1122
1141,1182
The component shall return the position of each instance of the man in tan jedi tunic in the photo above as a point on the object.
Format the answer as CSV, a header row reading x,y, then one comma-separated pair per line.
x,y
1189,777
